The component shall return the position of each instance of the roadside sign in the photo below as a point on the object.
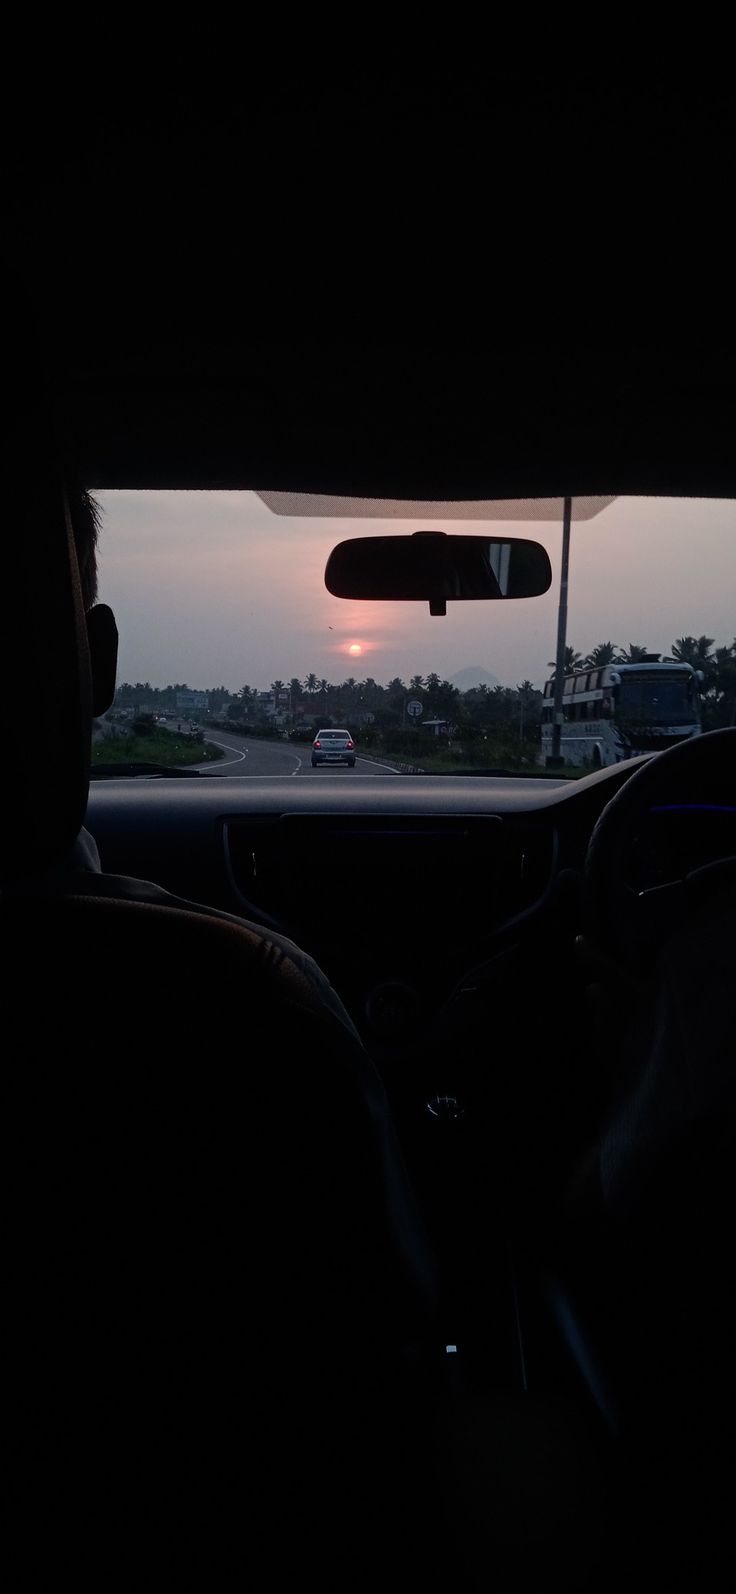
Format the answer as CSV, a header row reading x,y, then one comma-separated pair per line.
x,y
414,708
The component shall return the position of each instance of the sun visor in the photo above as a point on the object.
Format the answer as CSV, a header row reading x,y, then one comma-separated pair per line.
x,y
324,505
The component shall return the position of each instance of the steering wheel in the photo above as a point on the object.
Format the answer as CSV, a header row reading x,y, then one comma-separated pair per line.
x,y
626,925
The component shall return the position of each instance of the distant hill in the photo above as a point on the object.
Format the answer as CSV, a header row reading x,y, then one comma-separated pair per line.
x,y
473,675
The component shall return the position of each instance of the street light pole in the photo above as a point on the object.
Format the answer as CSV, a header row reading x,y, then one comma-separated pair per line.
x,y
561,633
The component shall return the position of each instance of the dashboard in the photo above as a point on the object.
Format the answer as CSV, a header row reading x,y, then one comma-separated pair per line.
x,y
401,887
397,885
445,912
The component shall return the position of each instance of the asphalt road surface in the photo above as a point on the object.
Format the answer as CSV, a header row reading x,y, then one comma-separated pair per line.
x,y
246,756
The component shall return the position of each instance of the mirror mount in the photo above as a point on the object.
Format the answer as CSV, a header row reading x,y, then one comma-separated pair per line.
x,y
437,605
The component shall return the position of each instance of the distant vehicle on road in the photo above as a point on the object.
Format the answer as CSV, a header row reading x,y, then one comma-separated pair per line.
x,y
333,747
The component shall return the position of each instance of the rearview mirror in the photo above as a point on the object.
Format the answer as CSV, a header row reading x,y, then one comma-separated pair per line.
x,y
434,567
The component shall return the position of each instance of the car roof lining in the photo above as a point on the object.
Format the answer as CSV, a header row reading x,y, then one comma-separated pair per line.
x,y
340,431
195,339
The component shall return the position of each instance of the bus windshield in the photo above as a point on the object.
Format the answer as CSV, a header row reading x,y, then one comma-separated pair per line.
x,y
660,700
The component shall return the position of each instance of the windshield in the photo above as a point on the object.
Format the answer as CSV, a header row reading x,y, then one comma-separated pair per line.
x,y
658,700
234,657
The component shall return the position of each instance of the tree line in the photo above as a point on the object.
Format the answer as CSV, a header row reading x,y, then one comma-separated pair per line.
x,y
511,713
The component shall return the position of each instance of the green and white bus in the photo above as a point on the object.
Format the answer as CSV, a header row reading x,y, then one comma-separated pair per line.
x,y
618,710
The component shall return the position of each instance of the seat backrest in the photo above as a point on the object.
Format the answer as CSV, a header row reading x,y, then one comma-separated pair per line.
x,y
213,1246
213,1271
237,1109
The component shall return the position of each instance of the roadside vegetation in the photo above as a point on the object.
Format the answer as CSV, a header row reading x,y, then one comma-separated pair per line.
x,y
486,727
150,743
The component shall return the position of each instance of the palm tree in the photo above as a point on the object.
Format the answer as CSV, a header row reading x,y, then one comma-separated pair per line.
x,y
635,653
527,696
603,653
416,684
723,685
295,692
311,684
695,651
573,661
370,688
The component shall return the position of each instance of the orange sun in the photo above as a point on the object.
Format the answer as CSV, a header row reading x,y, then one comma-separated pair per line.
x,y
355,648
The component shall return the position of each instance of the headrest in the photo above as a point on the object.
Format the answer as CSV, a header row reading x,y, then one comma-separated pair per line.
x,y
46,699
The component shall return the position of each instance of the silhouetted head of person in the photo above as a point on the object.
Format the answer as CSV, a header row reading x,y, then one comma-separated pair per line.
x,y
102,635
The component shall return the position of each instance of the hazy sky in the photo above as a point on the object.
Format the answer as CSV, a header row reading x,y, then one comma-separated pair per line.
x,y
213,588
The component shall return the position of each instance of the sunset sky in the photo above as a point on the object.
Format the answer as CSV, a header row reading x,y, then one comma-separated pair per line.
x,y
213,588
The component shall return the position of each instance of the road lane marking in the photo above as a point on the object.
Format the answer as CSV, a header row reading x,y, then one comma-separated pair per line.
x,y
378,765
219,763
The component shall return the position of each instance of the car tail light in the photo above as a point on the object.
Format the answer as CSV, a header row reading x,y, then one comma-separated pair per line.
x,y
351,745
316,744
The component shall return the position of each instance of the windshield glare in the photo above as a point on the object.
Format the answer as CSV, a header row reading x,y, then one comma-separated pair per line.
x,y
234,657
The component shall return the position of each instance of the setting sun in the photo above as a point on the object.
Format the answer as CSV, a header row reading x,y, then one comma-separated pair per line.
x,y
355,648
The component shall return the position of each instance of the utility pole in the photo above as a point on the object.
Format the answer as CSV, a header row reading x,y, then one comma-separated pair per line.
x,y
561,634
